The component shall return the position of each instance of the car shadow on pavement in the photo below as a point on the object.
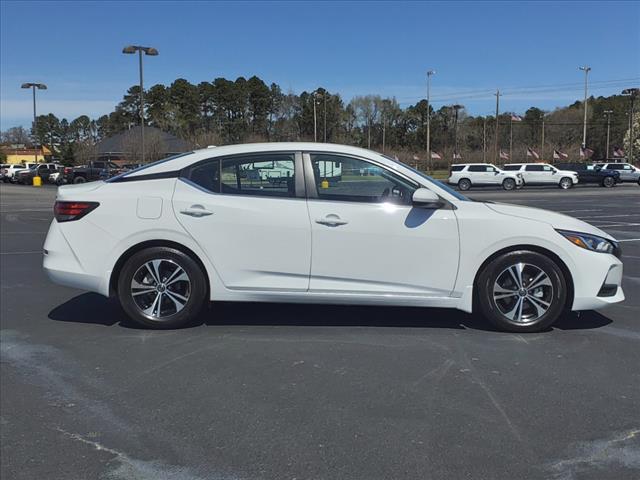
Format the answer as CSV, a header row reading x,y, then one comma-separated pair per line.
x,y
92,308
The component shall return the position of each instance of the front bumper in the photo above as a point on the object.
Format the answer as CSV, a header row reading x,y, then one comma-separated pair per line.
x,y
601,286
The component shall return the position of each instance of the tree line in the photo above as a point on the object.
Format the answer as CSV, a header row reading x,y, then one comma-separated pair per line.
x,y
248,110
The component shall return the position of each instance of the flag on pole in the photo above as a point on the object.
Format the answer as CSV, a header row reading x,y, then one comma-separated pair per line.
x,y
504,155
516,118
457,156
532,153
435,156
586,152
618,152
558,155
416,157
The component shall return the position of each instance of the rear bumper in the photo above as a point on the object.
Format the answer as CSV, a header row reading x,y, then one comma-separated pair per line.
x,y
62,266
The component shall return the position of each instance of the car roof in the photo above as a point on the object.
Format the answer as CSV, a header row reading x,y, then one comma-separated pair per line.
x,y
466,164
527,163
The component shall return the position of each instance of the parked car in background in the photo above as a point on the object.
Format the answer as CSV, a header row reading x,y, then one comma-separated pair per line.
x,y
130,166
59,176
3,171
466,175
628,173
203,226
42,170
12,169
94,170
543,174
592,174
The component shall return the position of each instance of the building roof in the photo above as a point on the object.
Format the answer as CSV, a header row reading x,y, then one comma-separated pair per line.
x,y
115,143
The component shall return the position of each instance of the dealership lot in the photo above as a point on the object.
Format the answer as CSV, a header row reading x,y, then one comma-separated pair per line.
x,y
292,391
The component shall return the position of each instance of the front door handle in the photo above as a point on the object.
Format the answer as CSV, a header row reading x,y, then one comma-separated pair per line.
x,y
196,211
331,220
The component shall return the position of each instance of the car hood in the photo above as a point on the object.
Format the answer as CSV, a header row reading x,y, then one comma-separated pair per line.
x,y
556,220
567,172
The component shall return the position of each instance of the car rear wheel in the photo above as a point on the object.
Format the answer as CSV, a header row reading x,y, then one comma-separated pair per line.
x,y
565,183
161,287
522,291
79,180
608,182
464,184
509,184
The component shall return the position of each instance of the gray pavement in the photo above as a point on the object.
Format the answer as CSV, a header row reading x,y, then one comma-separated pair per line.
x,y
267,391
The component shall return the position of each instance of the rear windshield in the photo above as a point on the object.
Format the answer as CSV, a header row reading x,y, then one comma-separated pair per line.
x,y
511,167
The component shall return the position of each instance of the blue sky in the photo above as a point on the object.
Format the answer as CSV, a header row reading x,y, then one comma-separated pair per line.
x,y
353,48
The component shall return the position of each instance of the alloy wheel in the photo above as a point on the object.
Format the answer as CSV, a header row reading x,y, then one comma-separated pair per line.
x,y
523,293
160,288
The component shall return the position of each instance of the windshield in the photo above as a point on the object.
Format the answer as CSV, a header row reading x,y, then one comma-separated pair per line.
x,y
437,183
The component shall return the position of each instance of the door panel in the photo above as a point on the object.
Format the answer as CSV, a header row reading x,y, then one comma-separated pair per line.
x,y
255,239
374,241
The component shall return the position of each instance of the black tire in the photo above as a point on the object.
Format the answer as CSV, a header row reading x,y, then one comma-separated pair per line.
x,y
509,184
608,182
565,183
79,180
194,293
497,310
464,184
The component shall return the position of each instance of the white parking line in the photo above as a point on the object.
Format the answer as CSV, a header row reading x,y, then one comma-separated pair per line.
x,y
611,216
585,210
630,240
609,225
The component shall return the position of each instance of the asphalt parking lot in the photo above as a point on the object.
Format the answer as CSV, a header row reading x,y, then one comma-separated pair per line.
x,y
314,392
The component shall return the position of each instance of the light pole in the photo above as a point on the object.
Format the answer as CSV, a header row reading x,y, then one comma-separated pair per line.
x,y
33,87
496,157
315,118
429,74
632,93
608,113
586,69
130,49
324,100
542,141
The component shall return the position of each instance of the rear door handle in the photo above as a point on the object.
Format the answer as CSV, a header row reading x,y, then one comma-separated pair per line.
x,y
331,220
196,211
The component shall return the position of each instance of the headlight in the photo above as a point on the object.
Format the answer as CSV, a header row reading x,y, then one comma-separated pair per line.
x,y
590,242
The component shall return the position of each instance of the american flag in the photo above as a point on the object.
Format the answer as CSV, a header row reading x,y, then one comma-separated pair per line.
x,y
504,155
618,152
532,153
586,152
516,118
436,156
557,155
457,156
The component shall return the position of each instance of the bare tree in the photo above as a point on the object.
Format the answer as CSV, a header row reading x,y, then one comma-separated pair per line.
x,y
155,146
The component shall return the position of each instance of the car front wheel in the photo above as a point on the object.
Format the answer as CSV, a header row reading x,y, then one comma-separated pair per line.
x,y
509,184
565,183
608,182
161,287
522,291
464,184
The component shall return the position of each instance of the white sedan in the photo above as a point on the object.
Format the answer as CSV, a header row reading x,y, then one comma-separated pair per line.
x,y
209,225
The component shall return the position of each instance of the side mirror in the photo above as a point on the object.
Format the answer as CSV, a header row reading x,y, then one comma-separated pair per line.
x,y
425,198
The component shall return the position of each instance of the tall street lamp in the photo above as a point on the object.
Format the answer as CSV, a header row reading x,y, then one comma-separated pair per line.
x,y
33,87
130,49
456,108
632,93
586,69
608,113
429,74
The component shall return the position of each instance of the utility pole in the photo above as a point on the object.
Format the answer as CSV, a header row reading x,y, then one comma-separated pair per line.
x,y
497,154
33,87
324,98
607,113
484,140
455,129
632,93
315,119
542,142
586,71
511,139
429,74
384,131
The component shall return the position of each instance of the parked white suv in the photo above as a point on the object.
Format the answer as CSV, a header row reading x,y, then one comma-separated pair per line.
x,y
9,173
464,175
543,174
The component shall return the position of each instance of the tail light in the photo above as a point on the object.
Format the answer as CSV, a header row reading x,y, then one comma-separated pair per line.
x,y
69,211
67,170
